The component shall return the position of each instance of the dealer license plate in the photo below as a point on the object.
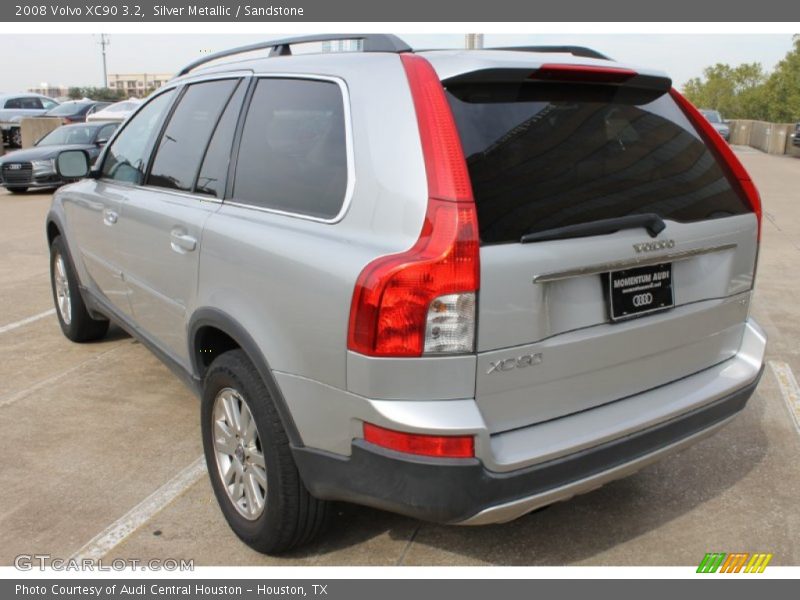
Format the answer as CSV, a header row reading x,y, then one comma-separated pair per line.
x,y
640,291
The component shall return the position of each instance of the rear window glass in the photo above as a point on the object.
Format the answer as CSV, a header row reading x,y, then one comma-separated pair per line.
x,y
544,156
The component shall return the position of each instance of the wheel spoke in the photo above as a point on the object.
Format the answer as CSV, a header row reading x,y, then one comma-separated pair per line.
x,y
230,412
259,475
256,458
249,496
245,419
225,445
238,488
222,430
250,433
256,499
228,474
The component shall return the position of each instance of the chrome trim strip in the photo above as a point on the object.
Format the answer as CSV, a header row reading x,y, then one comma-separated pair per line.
x,y
629,263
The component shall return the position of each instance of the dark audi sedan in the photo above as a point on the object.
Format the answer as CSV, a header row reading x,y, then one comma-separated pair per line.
x,y
75,111
35,167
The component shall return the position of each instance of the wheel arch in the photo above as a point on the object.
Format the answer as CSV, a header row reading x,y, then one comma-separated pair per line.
x,y
212,332
52,228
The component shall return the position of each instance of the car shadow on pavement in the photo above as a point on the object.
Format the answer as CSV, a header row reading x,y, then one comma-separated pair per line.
x,y
576,530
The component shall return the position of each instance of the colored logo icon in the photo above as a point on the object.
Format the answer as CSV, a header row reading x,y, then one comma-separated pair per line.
x,y
738,562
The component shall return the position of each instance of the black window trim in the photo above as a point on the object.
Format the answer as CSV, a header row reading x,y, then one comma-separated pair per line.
x,y
246,84
179,88
182,88
349,154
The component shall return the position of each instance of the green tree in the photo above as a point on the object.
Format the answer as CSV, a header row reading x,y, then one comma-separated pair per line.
x,y
95,93
748,92
782,89
736,92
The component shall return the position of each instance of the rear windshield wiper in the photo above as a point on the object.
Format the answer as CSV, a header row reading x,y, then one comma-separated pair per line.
x,y
650,221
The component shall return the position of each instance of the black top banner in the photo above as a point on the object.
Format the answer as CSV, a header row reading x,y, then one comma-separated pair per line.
x,y
404,10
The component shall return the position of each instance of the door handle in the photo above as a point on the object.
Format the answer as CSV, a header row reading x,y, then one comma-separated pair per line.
x,y
182,242
109,217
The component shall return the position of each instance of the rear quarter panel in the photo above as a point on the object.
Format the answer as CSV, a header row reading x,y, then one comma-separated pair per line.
x,y
288,280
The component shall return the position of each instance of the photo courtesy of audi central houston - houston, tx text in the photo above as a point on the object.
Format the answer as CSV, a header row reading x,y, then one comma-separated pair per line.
x,y
420,299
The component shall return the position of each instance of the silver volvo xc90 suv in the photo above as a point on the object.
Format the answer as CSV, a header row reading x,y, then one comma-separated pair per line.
x,y
454,284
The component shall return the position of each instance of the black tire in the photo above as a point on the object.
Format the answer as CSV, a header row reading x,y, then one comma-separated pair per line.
x,y
78,326
16,137
17,190
291,516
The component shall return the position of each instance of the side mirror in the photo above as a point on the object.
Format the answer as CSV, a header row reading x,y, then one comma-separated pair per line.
x,y
101,142
72,164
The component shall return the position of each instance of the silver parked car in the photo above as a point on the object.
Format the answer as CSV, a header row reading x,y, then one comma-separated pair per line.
x,y
717,122
458,285
14,108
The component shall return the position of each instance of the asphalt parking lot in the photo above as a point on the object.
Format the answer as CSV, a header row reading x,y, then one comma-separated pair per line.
x,y
100,446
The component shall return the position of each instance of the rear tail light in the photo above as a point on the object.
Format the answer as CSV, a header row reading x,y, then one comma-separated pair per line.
x,y
444,446
422,301
732,166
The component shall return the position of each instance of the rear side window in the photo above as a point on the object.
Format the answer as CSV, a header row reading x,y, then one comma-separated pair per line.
x,y
186,136
293,153
545,156
31,103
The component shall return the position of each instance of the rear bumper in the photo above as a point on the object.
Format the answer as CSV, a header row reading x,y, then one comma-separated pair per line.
x,y
519,471
465,492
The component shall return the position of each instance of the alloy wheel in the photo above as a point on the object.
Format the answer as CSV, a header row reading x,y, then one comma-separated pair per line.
x,y
239,454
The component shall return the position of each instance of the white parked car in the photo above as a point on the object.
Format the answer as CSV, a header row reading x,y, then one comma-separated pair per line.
x,y
119,111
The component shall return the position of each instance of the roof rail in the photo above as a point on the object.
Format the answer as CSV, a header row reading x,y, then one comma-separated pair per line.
x,y
371,42
581,51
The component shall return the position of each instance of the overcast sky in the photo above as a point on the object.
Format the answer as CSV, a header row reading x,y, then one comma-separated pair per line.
x,y
72,60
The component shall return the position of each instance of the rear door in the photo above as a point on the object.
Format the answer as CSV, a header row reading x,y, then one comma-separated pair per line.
x,y
161,225
593,307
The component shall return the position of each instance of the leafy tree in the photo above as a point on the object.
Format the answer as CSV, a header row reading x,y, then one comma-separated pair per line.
x,y
95,93
748,92
782,89
736,92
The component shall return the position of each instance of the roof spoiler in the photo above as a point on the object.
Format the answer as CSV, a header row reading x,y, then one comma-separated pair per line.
x,y
569,73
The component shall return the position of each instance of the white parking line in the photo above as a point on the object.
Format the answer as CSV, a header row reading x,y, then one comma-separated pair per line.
x,y
789,389
12,326
11,398
115,533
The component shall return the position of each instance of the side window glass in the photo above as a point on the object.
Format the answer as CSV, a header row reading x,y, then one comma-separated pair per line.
x,y
126,159
186,136
31,103
48,104
106,131
293,153
213,173
13,103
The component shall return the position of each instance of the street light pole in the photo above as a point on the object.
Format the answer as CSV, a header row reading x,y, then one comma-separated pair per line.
x,y
104,41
